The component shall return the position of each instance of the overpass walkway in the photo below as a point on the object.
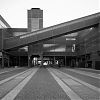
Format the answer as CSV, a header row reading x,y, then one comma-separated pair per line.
x,y
52,32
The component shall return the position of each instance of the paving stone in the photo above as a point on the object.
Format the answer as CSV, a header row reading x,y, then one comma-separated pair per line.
x,y
42,86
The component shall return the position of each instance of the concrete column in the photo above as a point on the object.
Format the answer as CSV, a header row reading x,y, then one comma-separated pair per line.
x,y
54,60
73,63
2,44
29,58
41,56
2,60
19,61
77,62
8,62
65,62
93,64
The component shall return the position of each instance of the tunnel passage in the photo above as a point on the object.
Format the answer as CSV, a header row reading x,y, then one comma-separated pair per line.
x,y
53,61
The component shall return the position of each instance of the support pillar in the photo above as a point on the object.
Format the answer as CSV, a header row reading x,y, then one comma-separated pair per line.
x,y
2,60
54,60
29,61
2,44
8,62
19,61
41,56
93,64
65,62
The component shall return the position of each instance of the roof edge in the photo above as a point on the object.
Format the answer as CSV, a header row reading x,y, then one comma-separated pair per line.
x,y
4,21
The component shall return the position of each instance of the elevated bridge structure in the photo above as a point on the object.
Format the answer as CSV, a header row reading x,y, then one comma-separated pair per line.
x,y
52,32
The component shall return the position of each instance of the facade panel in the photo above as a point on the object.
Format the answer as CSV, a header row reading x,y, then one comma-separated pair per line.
x,y
88,43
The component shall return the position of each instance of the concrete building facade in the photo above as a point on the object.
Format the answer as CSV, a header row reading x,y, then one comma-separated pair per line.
x,y
72,44
88,47
35,19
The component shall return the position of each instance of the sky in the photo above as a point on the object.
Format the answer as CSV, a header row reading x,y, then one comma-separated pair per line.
x,y
54,11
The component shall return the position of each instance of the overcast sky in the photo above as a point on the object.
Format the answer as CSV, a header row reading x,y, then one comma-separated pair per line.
x,y
54,11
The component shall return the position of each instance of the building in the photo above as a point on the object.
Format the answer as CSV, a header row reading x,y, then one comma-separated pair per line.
x,y
72,44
